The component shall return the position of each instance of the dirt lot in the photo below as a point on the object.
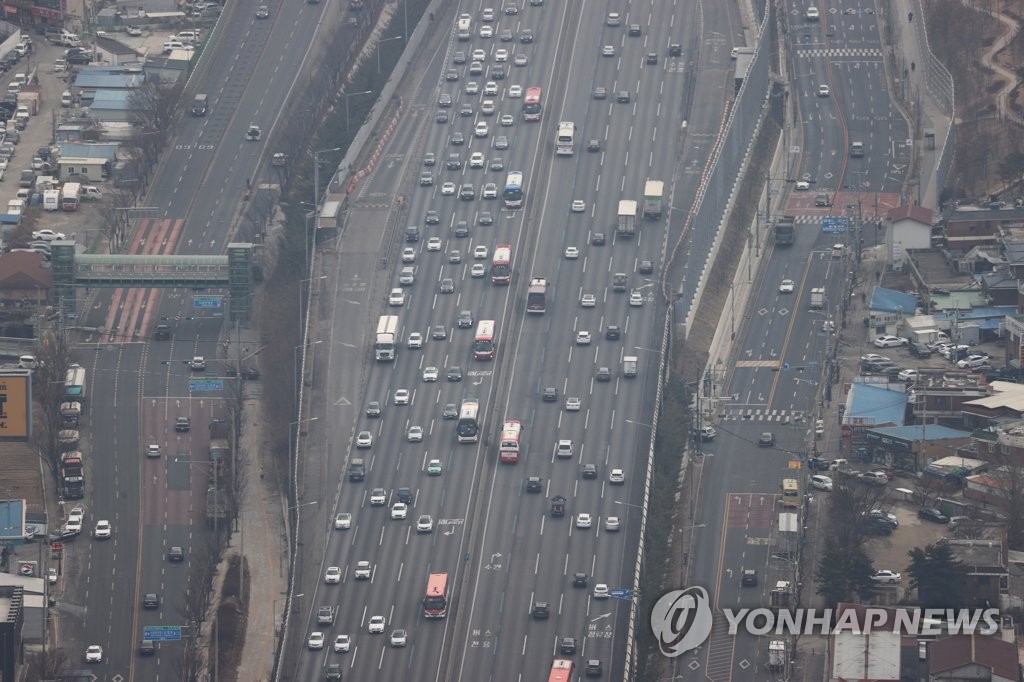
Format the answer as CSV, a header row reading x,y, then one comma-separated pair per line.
x,y
891,552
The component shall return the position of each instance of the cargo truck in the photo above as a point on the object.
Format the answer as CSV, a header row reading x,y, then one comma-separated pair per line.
x,y
626,226
386,341
817,298
785,230
654,191
629,366
72,475
70,195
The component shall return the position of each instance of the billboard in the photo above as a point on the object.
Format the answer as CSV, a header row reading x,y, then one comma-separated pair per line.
x,y
15,405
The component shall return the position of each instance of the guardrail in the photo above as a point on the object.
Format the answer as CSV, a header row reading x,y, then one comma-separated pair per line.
x,y
13,346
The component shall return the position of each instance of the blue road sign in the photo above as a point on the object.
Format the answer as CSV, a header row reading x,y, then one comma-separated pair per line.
x,y
835,224
621,594
207,301
195,385
162,633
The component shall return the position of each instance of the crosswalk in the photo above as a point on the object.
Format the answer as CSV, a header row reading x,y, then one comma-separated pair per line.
x,y
762,415
841,52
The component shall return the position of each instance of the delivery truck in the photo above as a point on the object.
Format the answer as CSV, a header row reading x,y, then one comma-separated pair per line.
x,y
626,226
385,343
654,191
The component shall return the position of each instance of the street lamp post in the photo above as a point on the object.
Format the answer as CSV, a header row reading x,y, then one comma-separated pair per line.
x,y
384,40
316,166
298,369
352,94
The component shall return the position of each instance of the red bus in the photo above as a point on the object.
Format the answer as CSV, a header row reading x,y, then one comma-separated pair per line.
x,y
531,105
483,344
511,432
435,603
501,264
561,670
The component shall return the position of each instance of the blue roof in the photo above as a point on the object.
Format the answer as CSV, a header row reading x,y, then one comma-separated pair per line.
x,y
109,80
892,301
927,432
875,405
977,313
12,516
112,99
89,150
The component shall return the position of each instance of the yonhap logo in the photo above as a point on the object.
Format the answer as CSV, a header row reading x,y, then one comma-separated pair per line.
x,y
681,620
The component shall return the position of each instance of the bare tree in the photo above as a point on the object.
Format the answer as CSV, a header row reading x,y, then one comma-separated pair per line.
x,y
49,664
190,661
54,358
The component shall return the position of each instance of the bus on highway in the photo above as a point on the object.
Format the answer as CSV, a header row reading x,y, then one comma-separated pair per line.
x,y
513,194
501,264
790,492
561,670
565,139
511,432
435,602
531,105
536,296
468,428
483,344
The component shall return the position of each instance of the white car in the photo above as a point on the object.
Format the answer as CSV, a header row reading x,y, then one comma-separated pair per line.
x,y
616,476
572,253
583,520
103,530
342,521
507,121
889,341
613,19
824,91
874,357
573,404
47,235
472,88
399,510
787,286
480,252
487,14
376,625
515,91
378,496
588,301
479,55
398,638
74,524
430,373
477,271
908,375
611,524
481,129
520,60
601,591
315,641
582,338
414,341
415,434
886,576
364,439
94,654
578,206
402,396
819,482
448,189
332,576
490,89
408,255
396,297
363,570
487,107
424,524
802,185
973,362
486,32
636,299
476,160
501,55
608,51
489,191
564,448
342,643
434,243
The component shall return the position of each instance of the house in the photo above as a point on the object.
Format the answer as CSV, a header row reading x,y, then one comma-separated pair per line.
x,y
965,227
1000,287
95,170
110,106
114,51
988,577
25,278
978,658
909,228
909,448
870,405
938,395
887,309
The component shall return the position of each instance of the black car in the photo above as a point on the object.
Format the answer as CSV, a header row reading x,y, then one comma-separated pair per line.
x,y
919,350
534,484
593,668
404,494
432,218
646,267
622,97
603,374
579,579
485,218
594,146
932,515
612,332
80,58
675,50
766,440
749,578
634,30
183,424
526,36
818,464
876,526
454,374
597,239
151,601
441,117
567,646
652,58
176,554
451,411
333,672
373,409
550,394
540,610
589,471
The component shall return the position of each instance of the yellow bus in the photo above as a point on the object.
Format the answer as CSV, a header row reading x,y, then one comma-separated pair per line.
x,y
790,492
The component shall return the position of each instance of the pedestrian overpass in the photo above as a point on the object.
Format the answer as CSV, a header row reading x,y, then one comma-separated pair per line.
x,y
232,271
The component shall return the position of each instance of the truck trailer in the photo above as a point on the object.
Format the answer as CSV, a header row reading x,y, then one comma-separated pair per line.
x,y
385,343
626,226
654,191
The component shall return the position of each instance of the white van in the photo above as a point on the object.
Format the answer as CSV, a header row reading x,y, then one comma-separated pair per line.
x,y
66,100
91,192
15,206
51,200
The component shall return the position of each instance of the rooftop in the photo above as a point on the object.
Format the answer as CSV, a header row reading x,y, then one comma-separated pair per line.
x,y
925,216
892,301
1005,394
961,650
868,404
922,432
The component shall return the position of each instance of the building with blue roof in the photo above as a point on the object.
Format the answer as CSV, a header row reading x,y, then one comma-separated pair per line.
x,y
887,309
112,105
912,448
869,406
110,81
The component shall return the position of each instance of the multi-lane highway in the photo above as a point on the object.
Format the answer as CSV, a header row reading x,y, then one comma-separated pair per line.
x,y
497,541
139,385
783,345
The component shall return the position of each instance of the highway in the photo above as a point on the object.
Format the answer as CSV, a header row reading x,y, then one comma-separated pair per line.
x,y
134,398
782,342
496,541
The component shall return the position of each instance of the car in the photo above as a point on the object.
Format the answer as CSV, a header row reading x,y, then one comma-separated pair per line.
x,y
490,89
589,471
183,424
481,129
608,51
263,12
396,297
953,351
564,448
787,286
152,450
534,484
582,338
315,641
490,191
812,14
176,554
766,439
567,646
597,239
415,434
511,9
540,611
466,110
600,92
593,668
408,255
485,218
837,252
909,375
932,515
444,100
363,570
588,300
578,206
459,57
616,476
487,14
342,643
487,107
457,139
919,350
451,75
376,625
603,374
824,90
342,521
501,142
441,116
398,638
479,55
480,252
478,271
520,60
636,299
467,192
399,510
151,601
886,576
454,374
874,357
430,373
476,160
802,185
821,200
434,467
651,58
48,235
634,30
497,164
402,396
501,55
364,439
434,244
472,87
974,361
819,482
579,580
454,161
454,256
875,477
378,497
332,576
514,91
613,19
611,524
613,332
507,121
573,404
94,654
103,530
622,97
889,341
439,332
549,394
447,286
486,31
526,36
572,253
749,578
424,524
583,520
465,320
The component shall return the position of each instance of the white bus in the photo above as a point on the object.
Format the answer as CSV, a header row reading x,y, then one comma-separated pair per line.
x,y
565,140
